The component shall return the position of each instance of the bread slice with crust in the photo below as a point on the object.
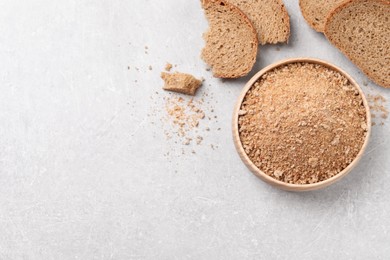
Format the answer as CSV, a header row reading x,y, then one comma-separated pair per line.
x,y
361,30
315,12
269,17
231,40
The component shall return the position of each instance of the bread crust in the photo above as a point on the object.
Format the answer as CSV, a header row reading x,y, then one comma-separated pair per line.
x,y
380,81
306,11
231,74
268,35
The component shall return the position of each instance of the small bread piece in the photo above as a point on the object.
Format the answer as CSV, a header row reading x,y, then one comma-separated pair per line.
x,y
269,17
361,30
181,83
231,41
168,67
315,12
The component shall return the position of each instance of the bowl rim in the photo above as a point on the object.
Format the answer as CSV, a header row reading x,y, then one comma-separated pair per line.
x,y
280,184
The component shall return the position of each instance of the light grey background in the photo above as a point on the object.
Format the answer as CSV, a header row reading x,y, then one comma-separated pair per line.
x,y
86,171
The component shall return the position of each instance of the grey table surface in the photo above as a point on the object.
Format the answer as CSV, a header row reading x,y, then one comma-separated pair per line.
x,y
86,170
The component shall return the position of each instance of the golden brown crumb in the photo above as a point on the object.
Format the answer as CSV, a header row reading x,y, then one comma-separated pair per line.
x,y
168,67
199,140
378,107
187,141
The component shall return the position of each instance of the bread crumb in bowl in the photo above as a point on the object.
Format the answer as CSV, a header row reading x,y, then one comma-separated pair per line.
x,y
301,123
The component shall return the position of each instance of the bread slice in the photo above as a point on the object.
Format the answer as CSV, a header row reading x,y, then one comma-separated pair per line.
x,y
315,12
181,83
361,30
269,17
231,40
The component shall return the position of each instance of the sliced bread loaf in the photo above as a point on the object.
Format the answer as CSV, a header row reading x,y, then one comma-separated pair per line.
x,y
316,11
269,17
231,40
361,30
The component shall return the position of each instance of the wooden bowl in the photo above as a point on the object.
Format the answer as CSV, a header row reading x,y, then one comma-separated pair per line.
x,y
280,184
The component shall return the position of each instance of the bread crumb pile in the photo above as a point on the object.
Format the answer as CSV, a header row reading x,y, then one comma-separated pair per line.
x,y
302,123
378,109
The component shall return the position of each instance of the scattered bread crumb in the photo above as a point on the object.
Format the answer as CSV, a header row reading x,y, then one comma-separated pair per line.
x,y
184,115
168,67
199,140
187,141
378,108
182,123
